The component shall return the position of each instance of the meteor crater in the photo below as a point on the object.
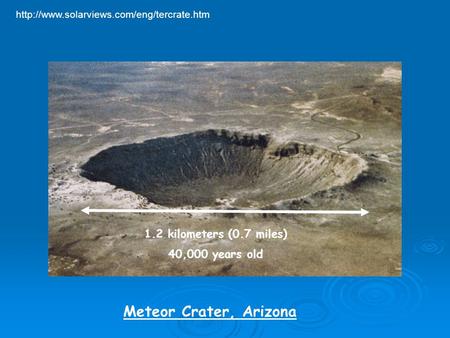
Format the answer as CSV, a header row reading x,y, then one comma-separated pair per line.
x,y
215,167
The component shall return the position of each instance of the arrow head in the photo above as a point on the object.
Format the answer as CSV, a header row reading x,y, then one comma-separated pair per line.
x,y
364,212
86,210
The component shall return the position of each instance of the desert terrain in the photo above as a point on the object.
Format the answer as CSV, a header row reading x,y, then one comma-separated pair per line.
x,y
257,135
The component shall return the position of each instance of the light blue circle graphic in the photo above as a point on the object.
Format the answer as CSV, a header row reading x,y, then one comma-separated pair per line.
x,y
375,299
430,246
311,314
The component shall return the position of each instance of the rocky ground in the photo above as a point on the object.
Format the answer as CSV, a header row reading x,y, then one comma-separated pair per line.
x,y
341,110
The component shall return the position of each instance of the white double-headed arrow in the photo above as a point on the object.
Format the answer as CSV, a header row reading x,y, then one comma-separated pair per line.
x,y
360,212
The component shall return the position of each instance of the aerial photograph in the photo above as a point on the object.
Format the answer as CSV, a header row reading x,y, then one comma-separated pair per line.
x,y
185,139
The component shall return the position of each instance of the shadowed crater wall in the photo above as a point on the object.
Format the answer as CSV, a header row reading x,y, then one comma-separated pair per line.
x,y
221,167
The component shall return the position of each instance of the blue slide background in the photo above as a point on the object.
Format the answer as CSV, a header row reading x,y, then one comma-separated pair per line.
x,y
415,33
